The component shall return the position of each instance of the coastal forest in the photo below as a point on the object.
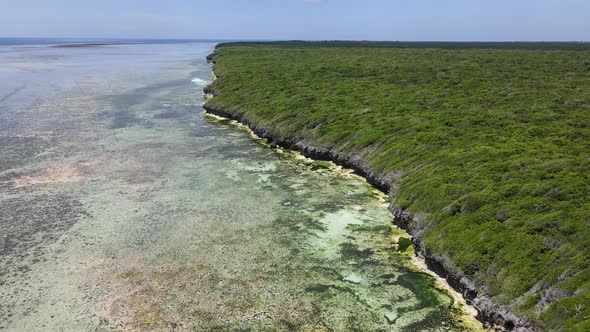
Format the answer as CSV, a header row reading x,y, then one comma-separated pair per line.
x,y
484,148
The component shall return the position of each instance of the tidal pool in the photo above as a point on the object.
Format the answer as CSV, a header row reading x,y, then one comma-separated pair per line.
x,y
124,207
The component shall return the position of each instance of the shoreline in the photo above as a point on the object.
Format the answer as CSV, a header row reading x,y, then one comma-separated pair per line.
x,y
491,315
469,312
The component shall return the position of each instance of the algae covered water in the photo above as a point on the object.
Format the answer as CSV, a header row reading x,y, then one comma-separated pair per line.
x,y
124,207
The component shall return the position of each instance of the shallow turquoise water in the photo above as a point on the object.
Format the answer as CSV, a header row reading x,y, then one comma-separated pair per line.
x,y
125,207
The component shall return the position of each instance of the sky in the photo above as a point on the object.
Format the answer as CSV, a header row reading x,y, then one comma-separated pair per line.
x,y
407,20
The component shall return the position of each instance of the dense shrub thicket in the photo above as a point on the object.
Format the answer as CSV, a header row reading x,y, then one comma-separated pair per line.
x,y
491,146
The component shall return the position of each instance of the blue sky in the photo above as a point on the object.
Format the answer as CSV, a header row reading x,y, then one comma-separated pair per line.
x,y
300,19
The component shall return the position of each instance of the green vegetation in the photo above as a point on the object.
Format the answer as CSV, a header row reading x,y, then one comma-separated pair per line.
x,y
491,146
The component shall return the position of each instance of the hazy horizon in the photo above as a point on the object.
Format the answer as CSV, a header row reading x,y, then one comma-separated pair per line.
x,y
375,20
209,40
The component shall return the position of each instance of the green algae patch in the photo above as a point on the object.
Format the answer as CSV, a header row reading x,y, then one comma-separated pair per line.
x,y
403,244
319,164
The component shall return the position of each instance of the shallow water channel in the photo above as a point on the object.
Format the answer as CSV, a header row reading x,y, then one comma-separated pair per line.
x,y
124,207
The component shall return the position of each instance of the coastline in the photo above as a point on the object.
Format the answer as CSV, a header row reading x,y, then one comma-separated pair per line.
x,y
493,316
469,316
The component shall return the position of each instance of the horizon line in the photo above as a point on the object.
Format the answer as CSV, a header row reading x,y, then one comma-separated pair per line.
x,y
297,39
